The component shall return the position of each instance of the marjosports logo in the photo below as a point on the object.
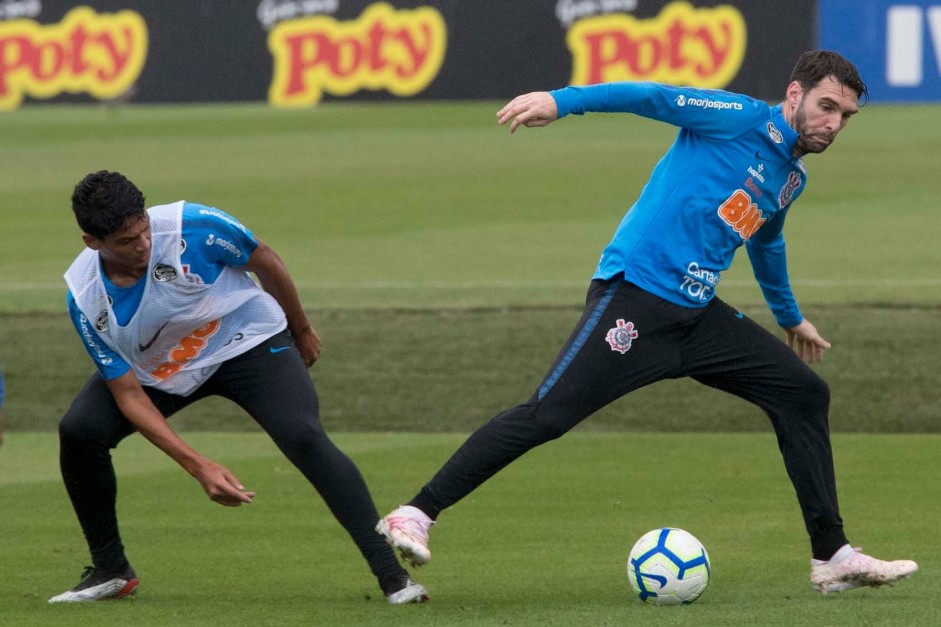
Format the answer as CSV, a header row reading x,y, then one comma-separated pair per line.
x,y
621,336
705,103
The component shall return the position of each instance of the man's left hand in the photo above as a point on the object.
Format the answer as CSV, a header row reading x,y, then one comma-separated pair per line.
x,y
308,345
807,342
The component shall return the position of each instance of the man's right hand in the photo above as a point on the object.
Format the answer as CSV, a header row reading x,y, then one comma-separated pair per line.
x,y
221,485
534,109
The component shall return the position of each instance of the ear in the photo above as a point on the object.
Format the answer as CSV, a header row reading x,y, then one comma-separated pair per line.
x,y
794,93
91,241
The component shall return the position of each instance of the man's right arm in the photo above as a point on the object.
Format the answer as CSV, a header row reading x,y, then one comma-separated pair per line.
x,y
220,485
710,112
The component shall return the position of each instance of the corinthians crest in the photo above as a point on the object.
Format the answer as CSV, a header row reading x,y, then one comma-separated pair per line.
x,y
621,336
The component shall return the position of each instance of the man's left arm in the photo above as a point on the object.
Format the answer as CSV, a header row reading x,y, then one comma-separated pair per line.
x,y
767,253
274,278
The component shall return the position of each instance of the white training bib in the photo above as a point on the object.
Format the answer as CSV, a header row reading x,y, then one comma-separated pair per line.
x,y
182,330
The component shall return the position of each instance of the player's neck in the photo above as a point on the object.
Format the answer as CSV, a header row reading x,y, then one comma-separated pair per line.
x,y
121,274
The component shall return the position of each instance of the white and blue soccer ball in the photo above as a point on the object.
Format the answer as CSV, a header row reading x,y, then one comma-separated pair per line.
x,y
668,567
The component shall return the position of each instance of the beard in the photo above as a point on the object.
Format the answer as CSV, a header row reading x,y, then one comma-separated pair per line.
x,y
807,140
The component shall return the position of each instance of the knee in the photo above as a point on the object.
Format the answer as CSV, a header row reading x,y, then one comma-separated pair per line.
x,y
79,428
301,444
813,393
551,425
72,428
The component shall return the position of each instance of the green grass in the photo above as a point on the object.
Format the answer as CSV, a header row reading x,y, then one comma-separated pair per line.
x,y
430,205
444,262
543,543
451,370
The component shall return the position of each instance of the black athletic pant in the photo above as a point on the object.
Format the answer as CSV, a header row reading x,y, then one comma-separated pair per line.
x,y
273,386
628,338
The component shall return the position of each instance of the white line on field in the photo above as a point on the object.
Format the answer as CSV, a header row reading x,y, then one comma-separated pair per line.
x,y
11,286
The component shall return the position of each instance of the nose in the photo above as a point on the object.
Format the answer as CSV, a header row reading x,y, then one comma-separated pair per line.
x,y
143,243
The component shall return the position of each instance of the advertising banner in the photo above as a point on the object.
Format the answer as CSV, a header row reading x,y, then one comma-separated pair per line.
x,y
298,53
896,44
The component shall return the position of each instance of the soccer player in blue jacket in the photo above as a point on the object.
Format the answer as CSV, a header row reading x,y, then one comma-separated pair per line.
x,y
652,313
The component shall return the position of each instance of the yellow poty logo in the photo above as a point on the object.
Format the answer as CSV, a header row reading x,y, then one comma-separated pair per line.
x,y
683,45
99,54
399,50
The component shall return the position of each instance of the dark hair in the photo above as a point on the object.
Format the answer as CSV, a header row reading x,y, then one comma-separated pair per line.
x,y
103,201
816,65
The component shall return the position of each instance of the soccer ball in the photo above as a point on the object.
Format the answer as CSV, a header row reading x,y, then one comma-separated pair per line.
x,y
668,567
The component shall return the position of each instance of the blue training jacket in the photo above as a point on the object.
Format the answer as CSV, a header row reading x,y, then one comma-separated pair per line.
x,y
727,180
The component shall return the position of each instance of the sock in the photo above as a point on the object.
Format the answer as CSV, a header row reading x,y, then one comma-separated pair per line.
x,y
424,502
110,557
841,555
392,583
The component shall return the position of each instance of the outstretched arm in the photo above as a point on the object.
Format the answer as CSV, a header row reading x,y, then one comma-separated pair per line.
x,y
712,113
220,485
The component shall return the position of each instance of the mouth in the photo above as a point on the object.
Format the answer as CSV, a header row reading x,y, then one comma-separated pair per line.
x,y
816,142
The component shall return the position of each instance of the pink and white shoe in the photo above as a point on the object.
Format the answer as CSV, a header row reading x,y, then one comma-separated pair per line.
x,y
851,568
406,529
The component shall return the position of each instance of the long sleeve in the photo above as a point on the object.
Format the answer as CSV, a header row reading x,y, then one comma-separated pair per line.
x,y
708,112
767,253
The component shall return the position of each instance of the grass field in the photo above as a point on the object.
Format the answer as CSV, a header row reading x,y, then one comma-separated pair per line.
x,y
434,205
543,543
444,262
432,209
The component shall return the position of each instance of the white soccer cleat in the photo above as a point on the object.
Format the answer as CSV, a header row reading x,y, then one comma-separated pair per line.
x,y
98,586
410,592
857,570
406,529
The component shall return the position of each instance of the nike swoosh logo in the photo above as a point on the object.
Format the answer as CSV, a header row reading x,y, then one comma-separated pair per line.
x,y
278,349
759,157
143,347
739,315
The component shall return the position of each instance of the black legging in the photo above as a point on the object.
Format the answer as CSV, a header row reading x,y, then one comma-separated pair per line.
x,y
273,386
628,338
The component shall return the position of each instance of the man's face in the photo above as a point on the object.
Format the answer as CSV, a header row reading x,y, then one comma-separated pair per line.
x,y
128,247
821,113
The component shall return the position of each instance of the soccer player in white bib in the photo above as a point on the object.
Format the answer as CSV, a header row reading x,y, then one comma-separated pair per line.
x,y
728,181
165,307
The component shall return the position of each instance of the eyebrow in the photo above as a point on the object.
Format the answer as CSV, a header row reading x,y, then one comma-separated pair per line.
x,y
833,102
129,238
